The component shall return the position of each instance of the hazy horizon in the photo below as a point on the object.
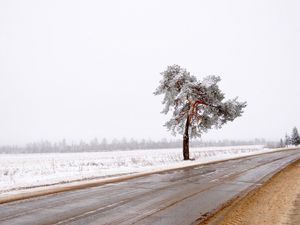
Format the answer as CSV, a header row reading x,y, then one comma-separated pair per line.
x,y
84,69
254,141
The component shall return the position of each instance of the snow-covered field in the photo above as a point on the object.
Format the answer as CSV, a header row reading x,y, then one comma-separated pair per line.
x,y
29,170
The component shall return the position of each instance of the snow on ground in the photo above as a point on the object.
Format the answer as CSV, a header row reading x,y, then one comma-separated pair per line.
x,y
19,171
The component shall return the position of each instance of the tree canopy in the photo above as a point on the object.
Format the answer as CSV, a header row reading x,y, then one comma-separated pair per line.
x,y
201,102
295,138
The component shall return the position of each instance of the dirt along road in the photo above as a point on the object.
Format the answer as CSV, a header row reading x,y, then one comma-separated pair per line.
x,y
277,202
178,197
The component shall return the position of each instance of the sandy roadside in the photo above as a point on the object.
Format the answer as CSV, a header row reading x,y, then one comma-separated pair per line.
x,y
276,202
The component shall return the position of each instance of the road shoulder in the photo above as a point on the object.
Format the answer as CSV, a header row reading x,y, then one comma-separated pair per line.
x,y
275,202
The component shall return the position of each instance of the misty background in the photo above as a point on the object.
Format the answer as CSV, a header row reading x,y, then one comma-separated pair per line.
x,y
77,70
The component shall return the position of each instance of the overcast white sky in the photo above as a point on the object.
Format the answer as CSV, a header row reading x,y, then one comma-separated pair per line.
x,y
83,69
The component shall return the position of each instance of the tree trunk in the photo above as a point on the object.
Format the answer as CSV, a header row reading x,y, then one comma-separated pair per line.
x,y
186,150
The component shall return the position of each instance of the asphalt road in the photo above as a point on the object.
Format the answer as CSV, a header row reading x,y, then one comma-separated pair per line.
x,y
178,197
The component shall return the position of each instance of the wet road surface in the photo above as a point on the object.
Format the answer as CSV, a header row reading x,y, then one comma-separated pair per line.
x,y
176,197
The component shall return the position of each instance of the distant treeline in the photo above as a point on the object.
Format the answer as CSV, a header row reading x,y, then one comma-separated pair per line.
x,y
123,144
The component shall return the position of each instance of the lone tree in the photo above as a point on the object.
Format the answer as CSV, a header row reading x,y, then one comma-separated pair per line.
x,y
197,106
295,138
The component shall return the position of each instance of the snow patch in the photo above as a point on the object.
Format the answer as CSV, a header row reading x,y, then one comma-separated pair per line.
x,y
19,171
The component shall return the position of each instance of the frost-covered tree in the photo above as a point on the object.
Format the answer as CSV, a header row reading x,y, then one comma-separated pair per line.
x,y
295,138
287,140
197,105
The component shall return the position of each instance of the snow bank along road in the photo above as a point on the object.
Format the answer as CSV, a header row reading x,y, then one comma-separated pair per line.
x,y
19,171
183,196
